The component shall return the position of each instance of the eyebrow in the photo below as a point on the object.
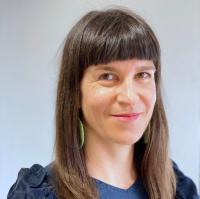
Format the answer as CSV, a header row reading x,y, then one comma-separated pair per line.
x,y
109,68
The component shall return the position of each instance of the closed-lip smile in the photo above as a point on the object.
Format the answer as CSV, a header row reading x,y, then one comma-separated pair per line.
x,y
126,116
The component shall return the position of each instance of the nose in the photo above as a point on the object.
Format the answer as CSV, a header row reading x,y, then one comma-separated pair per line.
x,y
128,93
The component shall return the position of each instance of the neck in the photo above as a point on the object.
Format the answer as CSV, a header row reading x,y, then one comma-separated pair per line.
x,y
110,162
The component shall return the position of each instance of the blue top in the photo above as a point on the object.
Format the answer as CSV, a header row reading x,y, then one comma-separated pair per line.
x,y
37,183
107,191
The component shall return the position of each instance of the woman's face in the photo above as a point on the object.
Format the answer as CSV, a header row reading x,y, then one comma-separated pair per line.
x,y
118,99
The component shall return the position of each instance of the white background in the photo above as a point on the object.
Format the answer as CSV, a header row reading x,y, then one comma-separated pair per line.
x,y
31,37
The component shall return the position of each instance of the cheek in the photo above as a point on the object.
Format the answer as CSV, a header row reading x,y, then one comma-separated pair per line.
x,y
99,92
151,97
95,105
96,99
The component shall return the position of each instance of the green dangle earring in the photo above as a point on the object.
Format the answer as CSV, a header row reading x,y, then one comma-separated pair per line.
x,y
81,129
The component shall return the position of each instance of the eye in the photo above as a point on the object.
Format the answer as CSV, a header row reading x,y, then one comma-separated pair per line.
x,y
143,75
107,76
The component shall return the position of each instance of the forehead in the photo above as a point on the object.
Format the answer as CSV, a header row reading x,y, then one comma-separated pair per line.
x,y
132,64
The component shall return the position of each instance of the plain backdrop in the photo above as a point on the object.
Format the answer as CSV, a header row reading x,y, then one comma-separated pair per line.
x,y
31,37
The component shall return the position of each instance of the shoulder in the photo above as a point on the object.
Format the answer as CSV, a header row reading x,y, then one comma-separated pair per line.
x,y
186,188
35,182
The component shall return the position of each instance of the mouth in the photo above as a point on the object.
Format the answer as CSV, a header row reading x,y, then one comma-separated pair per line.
x,y
127,116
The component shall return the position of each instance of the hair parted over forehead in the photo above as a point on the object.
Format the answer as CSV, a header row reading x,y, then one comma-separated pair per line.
x,y
117,35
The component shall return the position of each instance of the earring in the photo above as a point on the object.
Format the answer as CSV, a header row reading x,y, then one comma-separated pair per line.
x,y
146,134
81,129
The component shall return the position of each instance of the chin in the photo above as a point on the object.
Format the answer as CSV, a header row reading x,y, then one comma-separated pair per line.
x,y
128,141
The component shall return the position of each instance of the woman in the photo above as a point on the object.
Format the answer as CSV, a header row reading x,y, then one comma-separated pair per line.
x,y
111,127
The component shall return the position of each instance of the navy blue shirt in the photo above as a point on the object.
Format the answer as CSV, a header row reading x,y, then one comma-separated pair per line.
x,y
107,191
37,183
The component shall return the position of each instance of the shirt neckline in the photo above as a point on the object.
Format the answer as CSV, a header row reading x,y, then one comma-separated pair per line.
x,y
105,184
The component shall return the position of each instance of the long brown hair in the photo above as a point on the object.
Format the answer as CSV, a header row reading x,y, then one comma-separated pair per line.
x,y
100,37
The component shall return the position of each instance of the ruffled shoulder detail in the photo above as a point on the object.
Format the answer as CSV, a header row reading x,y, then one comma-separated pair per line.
x,y
186,188
33,183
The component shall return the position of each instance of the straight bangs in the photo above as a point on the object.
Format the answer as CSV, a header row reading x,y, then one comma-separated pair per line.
x,y
117,36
